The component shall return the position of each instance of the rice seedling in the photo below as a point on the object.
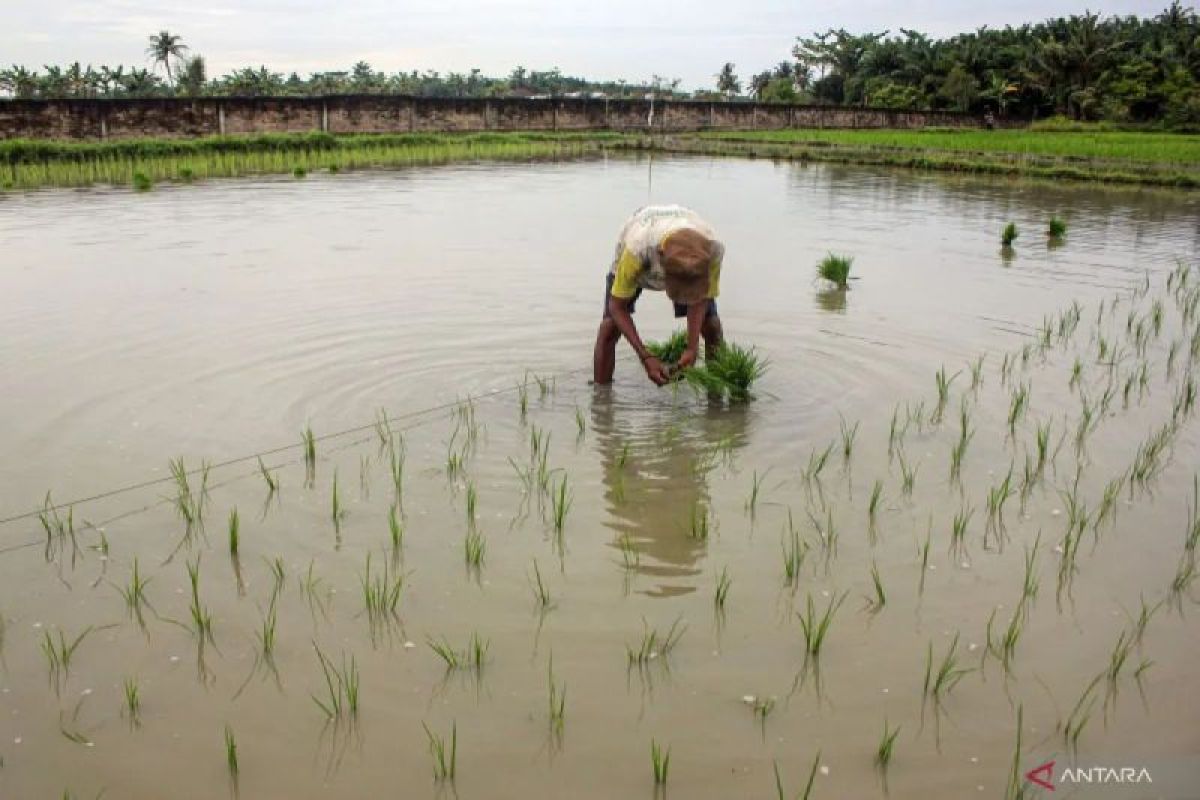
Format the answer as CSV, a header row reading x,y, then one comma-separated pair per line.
x,y
545,386
794,552
135,591
808,786
473,656
396,466
1017,406
1107,512
299,172
816,463
631,558
874,502
1043,446
580,422
557,700
721,594
1117,660
560,504
959,451
202,623
887,745
309,443
1005,648
827,534
815,627
835,269
472,503
186,174
1009,235
523,399
755,489
383,427
234,535
341,696
849,433
943,393
474,549
142,182
958,528
949,673
660,762
875,604
699,522
1030,583
761,707
336,509
997,496
1056,228
541,593
908,476
976,367
1088,419
728,372
924,559
1142,620
653,644
445,759
1078,719
231,752
1185,575
132,710
271,481
380,592
59,654
1015,790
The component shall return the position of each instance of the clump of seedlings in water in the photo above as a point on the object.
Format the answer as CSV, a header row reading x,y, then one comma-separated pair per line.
x,y
1080,715
557,715
1056,228
942,382
835,269
755,491
660,762
234,532
1017,406
381,592
560,504
794,552
309,443
721,594
474,549
395,529
59,654
202,623
887,744
142,182
815,626
445,759
908,476
271,481
341,687
925,559
653,644
135,592
699,522
132,710
816,463
959,451
541,593
1005,648
337,510
231,752
876,603
1009,235
940,683
808,786
874,502
473,657
997,496
849,433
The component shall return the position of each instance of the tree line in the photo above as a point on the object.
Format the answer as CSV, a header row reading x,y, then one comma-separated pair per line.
x,y
1120,68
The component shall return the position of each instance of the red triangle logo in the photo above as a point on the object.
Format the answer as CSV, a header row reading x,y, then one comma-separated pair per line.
x,y
1043,776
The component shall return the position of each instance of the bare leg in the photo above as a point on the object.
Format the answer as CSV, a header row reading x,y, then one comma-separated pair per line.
x,y
604,359
713,335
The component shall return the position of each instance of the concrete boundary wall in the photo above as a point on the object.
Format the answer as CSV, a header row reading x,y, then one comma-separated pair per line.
x,y
181,117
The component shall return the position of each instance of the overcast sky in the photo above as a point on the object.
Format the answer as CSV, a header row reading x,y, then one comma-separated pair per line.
x,y
617,39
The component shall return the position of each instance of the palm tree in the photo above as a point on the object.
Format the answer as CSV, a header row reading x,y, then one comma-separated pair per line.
x,y
163,47
727,80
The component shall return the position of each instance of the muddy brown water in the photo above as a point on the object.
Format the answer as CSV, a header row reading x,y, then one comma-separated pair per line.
x,y
215,321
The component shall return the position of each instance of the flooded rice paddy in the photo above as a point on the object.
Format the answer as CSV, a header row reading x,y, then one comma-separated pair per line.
x,y
963,498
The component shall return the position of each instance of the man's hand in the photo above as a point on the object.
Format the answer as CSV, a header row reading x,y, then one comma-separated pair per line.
x,y
688,358
655,371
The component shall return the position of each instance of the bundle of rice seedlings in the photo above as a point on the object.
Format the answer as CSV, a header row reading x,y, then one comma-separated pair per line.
x,y
1057,228
730,372
836,270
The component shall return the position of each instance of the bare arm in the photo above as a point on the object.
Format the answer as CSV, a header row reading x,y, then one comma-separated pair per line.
x,y
695,320
618,309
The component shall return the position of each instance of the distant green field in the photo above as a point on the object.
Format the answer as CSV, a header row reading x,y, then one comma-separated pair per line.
x,y
1163,148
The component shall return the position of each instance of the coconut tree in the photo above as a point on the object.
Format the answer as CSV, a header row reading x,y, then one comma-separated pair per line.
x,y
727,80
163,47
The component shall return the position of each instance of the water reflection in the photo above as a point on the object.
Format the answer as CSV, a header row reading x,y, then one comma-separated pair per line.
x,y
832,300
656,460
